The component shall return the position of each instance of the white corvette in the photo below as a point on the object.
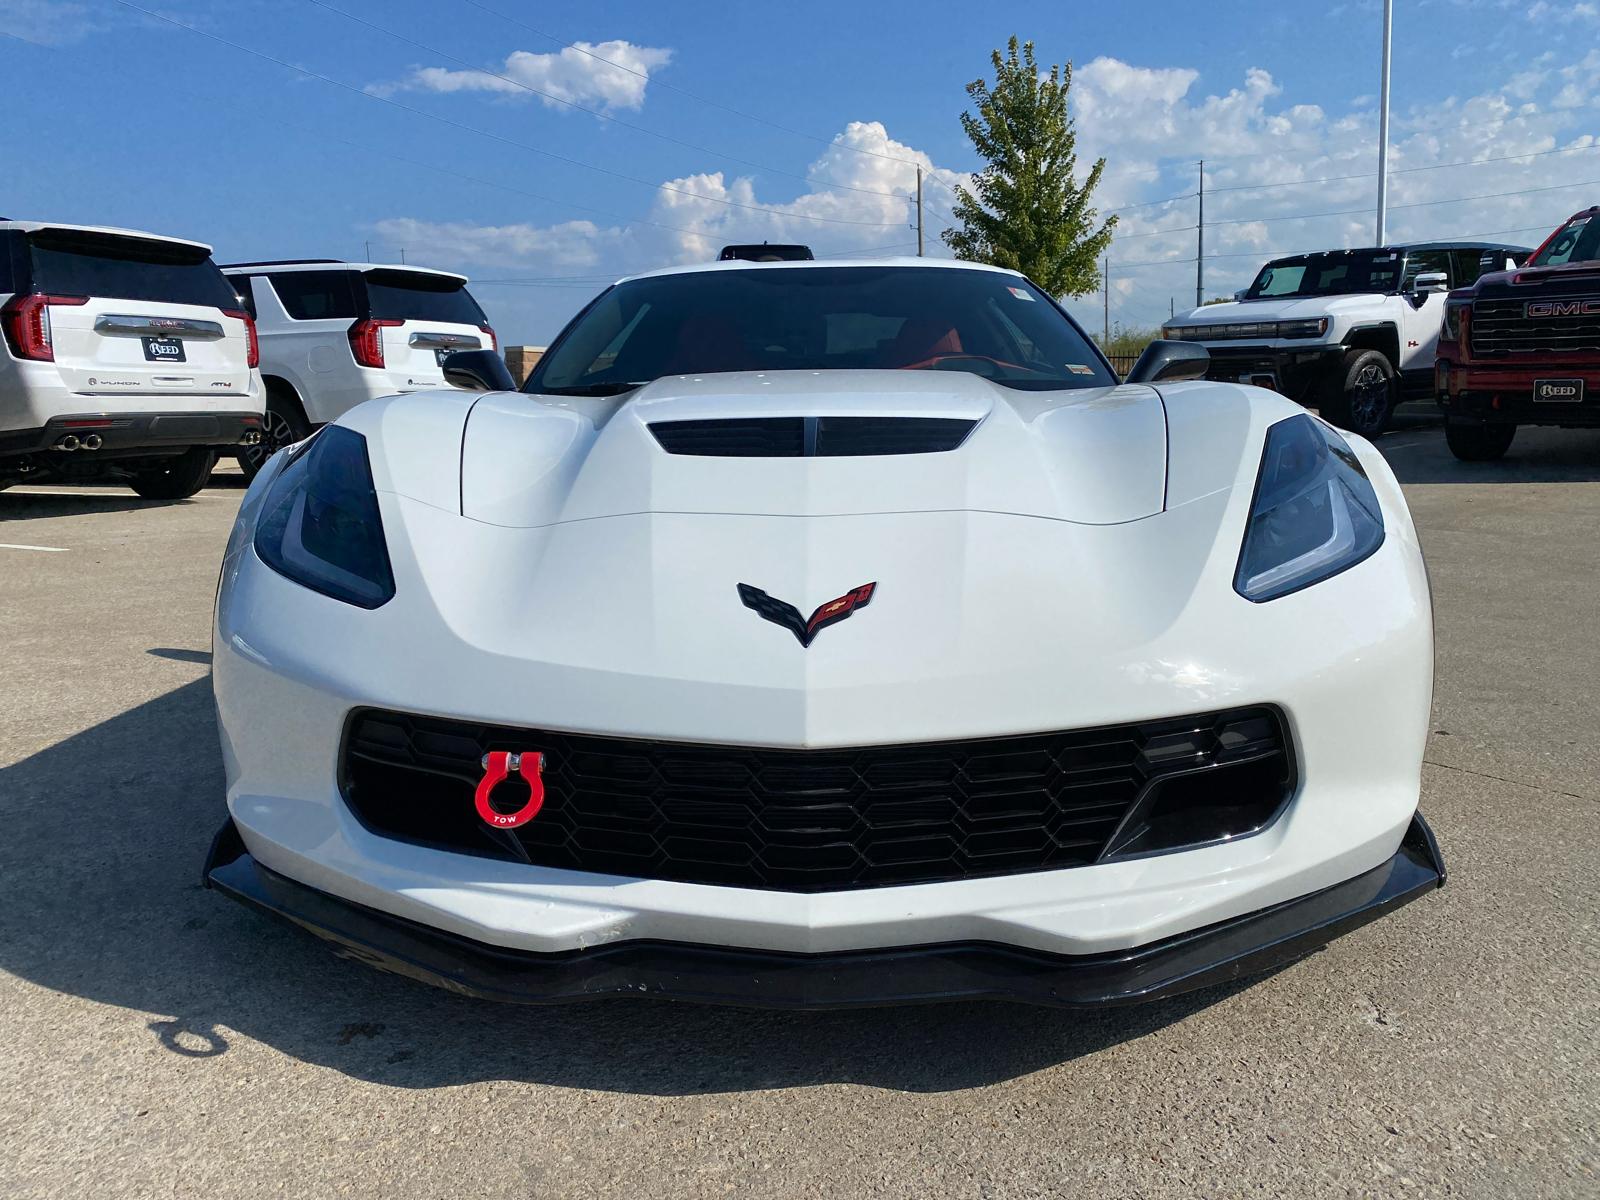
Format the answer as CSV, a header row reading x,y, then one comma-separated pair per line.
x,y
807,634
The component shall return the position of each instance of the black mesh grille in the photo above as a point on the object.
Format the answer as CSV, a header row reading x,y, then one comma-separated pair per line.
x,y
822,437
812,820
1503,327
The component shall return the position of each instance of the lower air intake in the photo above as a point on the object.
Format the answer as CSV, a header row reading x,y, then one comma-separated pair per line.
x,y
828,820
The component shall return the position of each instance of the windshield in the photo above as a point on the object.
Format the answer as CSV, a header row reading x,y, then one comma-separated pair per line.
x,y
1337,273
121,268
413,296
821,318
1577,241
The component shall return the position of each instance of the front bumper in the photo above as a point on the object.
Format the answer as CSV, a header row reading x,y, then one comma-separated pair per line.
x,y
1228,950
1476,393
1294,372
123,435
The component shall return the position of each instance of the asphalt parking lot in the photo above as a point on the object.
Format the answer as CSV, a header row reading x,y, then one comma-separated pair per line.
x,y
161,1040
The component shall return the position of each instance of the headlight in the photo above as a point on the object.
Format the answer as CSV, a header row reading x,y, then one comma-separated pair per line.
x,y
320,524
1451,331
1302,329
1314,514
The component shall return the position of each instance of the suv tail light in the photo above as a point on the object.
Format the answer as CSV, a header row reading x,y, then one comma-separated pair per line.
x,y
27,324
250,332
488,331
366,340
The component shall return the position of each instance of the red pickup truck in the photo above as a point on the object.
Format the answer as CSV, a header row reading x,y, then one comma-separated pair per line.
x,y
1522,346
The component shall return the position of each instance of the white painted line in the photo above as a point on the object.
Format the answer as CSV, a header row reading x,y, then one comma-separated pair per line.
x,y
46,549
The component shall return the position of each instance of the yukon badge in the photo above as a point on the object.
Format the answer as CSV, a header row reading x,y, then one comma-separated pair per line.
x,y
787,615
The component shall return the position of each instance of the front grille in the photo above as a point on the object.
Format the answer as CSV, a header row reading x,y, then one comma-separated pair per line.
x,y
806,437
823,820
1503,327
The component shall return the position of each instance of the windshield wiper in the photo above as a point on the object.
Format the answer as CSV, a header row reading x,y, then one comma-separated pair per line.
x,y
596,389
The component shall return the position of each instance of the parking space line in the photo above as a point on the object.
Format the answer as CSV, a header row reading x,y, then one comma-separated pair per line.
x,y
46,549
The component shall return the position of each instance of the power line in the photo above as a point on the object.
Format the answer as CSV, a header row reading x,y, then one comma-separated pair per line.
x,y
497,137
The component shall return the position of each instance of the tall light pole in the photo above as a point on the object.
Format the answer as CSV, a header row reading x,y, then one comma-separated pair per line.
x,y
1200,244
1383,124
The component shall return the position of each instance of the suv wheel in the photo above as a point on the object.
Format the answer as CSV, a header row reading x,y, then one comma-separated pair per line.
x,y
284,425
1360,396
180,479
1478,443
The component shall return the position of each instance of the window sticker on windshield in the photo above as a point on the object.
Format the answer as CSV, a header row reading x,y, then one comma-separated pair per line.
x,y
1020,294
1080,369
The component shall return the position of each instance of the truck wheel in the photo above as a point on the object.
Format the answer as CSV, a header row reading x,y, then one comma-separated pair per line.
x,y
284,425
1360,395
186,475
1479,443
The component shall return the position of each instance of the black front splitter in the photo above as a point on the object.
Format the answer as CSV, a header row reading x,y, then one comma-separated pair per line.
x,y
1216,954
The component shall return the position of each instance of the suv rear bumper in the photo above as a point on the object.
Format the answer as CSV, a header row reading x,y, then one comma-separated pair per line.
x,y
1294,372
1483,394
124,435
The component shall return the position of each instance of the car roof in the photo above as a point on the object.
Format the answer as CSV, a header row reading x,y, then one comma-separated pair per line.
x,y
814,264
323,264
36,226
1403,247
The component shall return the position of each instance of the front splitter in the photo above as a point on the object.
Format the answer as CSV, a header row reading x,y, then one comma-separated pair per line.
x,y
1218,953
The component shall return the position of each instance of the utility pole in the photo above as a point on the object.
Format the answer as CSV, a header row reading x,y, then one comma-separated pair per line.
x,y
1106,291
919,212
1383,124
402,255
368,245
1200,243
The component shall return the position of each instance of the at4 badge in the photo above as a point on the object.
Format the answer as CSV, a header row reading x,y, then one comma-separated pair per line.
x,y
498,764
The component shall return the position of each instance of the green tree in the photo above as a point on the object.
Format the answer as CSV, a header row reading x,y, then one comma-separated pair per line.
x,y
1024,210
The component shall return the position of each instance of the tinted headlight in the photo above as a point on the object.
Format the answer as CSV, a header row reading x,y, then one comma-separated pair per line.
x,y
1314,513
1301,329
1451,331
320,524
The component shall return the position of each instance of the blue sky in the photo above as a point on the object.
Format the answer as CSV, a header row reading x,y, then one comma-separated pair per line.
x,y
715,122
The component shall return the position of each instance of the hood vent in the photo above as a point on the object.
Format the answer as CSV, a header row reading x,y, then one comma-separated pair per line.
x,y
811,437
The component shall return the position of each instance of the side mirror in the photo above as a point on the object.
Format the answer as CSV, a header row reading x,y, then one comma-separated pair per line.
x,y
1431,281
1169,362
478,371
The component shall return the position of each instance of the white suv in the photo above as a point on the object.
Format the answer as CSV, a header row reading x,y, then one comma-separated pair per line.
x,y
335,334
127,358
1349,332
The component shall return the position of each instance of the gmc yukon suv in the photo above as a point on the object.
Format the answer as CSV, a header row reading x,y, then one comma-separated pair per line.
x,y
1348,332
127,358
335,334
1522,347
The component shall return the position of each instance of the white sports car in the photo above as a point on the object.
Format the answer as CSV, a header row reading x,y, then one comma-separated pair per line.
x,y
810,634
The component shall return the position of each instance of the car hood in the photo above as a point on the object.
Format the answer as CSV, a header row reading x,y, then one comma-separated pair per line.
x,y
1286,309
1094,456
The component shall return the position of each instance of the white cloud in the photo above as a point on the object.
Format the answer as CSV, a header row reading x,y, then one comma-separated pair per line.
x,y
612,75
1273,173
48,21
1280,178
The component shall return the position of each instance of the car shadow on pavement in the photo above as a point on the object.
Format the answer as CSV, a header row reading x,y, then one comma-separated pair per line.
x,y
1538,454
100,898
28,506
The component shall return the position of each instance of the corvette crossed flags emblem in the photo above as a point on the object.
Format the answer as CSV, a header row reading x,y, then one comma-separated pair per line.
x,y
780,612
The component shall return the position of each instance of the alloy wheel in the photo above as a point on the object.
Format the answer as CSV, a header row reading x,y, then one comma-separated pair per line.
x,y
276,433
1369,398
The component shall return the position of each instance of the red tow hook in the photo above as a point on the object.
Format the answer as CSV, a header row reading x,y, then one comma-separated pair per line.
x,y
497,764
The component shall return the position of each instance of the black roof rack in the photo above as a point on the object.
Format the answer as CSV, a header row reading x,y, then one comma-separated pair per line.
x,y
766,253
285,262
